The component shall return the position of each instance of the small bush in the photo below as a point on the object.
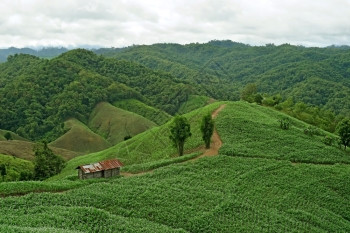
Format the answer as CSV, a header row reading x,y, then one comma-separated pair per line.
x,y
328,140
311,131
127,137
284,123
8,136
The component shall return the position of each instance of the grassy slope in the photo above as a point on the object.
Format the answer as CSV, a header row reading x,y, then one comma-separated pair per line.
x,y
193,102
253,131
80,138
151,145
13,135
24,150
114,123
132,105
14,166
215,194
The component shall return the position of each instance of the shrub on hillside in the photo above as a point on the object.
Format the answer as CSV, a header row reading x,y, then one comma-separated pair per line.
x,y
284,123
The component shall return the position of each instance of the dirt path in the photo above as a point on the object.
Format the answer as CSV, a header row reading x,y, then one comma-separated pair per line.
x,y
216,142
215,145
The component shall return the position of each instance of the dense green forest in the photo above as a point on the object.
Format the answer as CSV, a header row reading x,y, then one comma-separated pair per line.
x,y
38,95
316,76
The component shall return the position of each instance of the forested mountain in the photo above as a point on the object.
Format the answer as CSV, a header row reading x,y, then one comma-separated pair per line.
x,y
317,76
43,53
38,95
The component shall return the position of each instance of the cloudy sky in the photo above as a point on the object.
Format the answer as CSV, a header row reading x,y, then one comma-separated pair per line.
x,y
118,23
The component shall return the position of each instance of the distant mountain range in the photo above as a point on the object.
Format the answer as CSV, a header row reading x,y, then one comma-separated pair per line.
x,y
42,53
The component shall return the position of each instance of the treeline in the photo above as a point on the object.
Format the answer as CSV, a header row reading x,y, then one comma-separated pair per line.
x,y
314,115
38,95
316,76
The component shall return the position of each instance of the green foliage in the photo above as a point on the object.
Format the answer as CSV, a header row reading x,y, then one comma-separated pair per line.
x,y
127,137
316,116
143,167
180,130
284,123
316,76
217,194
149,146
8,136
11,168
38,95
312,130
207,129
343,130
46,163
3,171
248,93
328,140
31,186
250,130
194,102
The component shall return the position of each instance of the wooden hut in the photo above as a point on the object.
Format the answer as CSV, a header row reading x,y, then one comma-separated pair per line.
x,y
103,169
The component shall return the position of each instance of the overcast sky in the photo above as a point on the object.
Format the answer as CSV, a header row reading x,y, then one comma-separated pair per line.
x,y
118,23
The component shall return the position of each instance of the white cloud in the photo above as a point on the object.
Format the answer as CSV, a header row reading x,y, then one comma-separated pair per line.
x,y
121,22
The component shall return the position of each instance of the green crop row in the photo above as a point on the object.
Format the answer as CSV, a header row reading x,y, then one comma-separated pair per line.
x,y
253,131
214,194
159,163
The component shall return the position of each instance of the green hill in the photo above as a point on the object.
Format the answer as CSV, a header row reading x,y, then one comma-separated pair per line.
x,y
318,76
151,145
24,150
13,136
194,102
265,179
246,130
132,105
80,138
114,124
38,95
251,130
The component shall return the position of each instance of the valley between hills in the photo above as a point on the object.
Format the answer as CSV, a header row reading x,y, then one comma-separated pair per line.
x,y
276,161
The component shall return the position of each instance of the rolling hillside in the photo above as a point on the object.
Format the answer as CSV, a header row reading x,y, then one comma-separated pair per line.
x,y
24,150
13,136
114,124
265,179
217,194
80,138
317,76
38,95
246,130
250,130
132,105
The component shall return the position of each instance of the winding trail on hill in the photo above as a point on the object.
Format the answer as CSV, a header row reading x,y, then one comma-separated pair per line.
x,y
215,145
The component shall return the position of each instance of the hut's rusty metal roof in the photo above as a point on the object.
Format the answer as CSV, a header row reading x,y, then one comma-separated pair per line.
x,y
101,166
